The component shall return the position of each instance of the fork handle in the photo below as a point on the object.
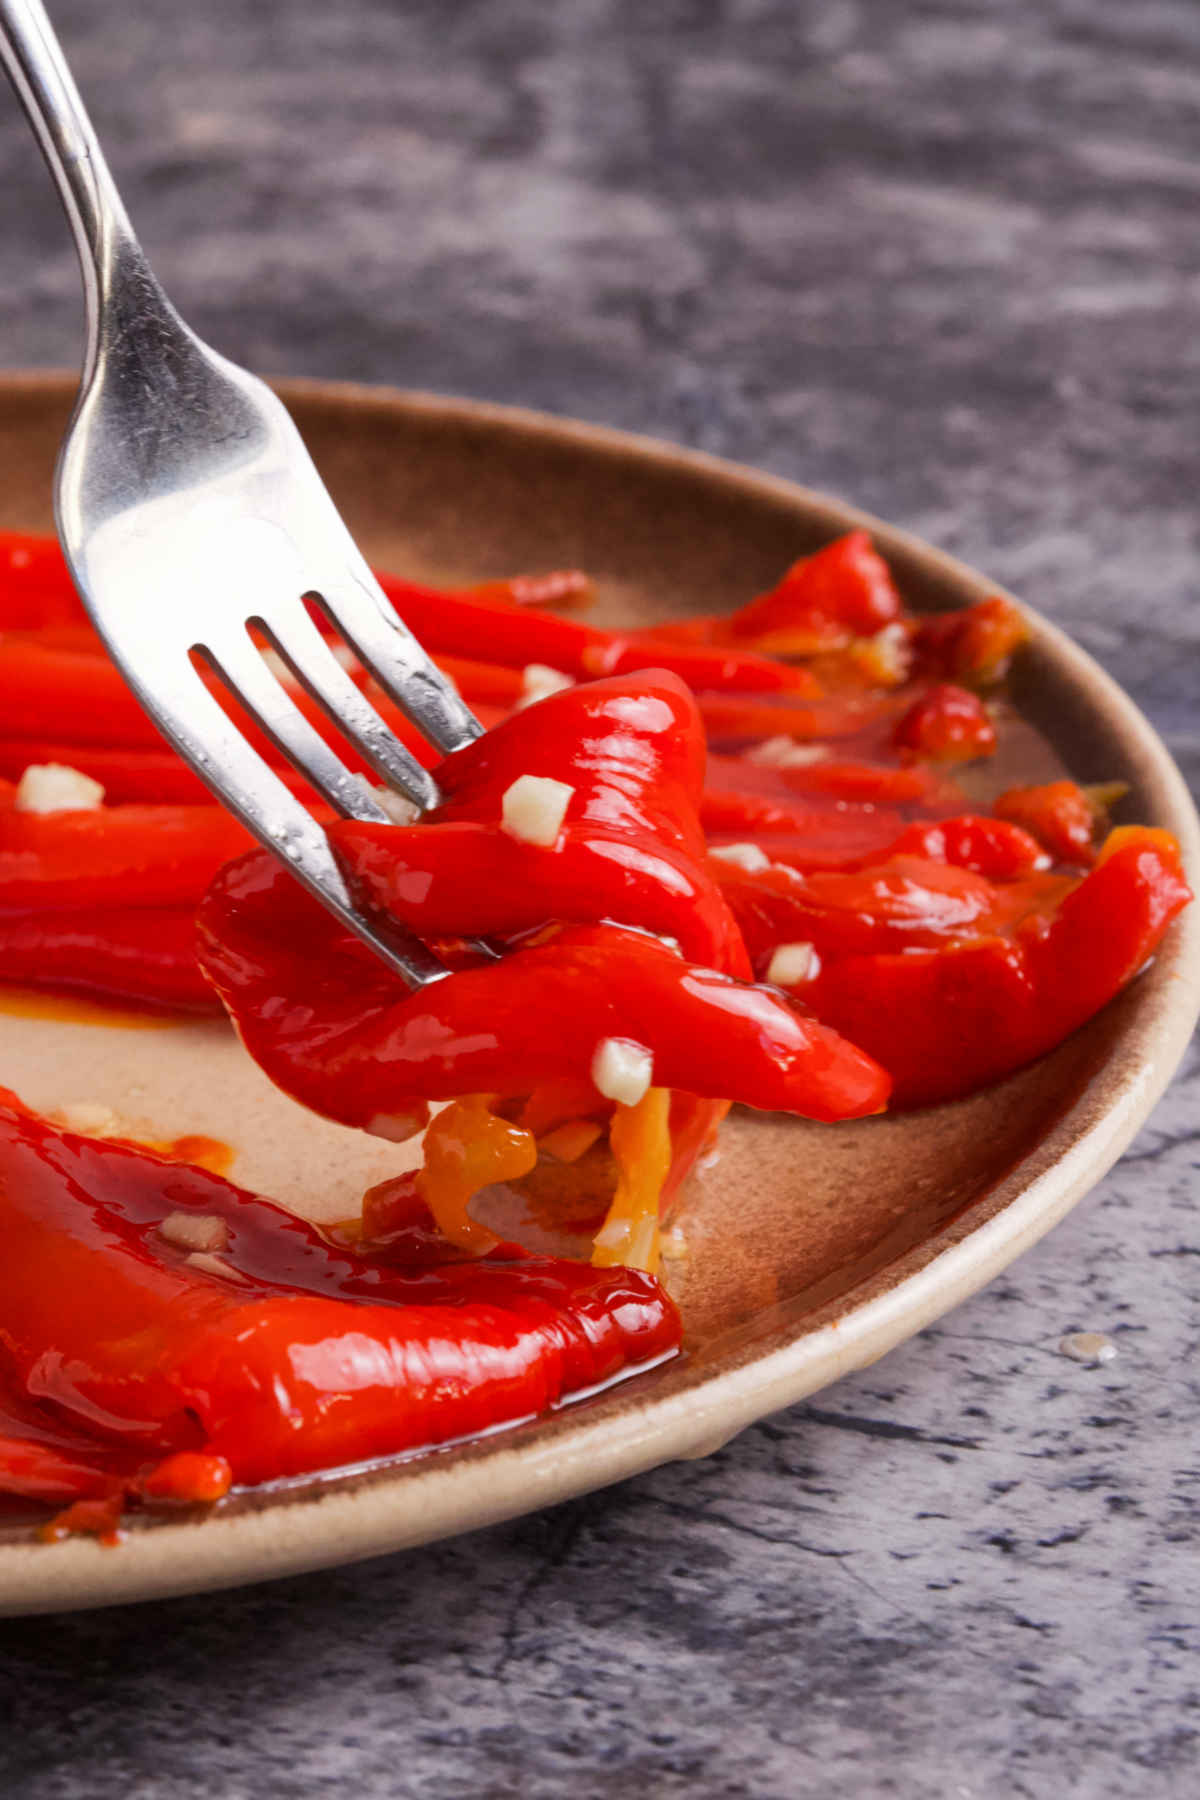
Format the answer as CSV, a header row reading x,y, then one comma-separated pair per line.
x,y
109,254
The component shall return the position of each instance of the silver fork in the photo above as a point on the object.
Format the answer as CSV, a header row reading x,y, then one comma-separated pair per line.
x,y
190,512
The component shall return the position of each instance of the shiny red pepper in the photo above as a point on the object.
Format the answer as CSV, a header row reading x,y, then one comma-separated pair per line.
x,y
1059,814
947,1021
947,724
112,856
823,602
140,956
496,632
35,588
301,1357
974,644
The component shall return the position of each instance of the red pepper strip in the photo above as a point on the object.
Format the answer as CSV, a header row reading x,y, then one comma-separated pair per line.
x,y
314,1357
824,840
155,777
823,602
78,698
514,636
35,588
904,901
1059,815
844,591
128,856
141,955
891,784
631,747
730,718
470,880
949,724
992,847
70,695
945,1022
490,682
358,1045
558,589
974,644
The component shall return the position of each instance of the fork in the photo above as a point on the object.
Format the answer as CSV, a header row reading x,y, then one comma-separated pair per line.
x,y
190,515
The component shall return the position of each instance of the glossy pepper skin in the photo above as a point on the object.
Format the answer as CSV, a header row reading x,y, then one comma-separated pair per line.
x,y
494,630
630,851
125,856
357,1045
303,1357
946,1020
331,1026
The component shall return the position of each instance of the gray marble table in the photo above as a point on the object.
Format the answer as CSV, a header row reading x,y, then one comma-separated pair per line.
x,y
941,256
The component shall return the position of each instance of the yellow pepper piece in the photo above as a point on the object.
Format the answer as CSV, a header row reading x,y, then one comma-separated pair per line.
x,y
641,1145
468,1148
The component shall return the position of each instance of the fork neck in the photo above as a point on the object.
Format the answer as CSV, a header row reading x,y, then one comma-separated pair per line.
x,y
111,259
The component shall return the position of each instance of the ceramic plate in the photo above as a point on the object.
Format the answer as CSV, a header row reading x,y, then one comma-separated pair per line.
x,y
813,1249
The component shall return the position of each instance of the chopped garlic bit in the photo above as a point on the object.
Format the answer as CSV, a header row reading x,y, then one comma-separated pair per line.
x,y
889,653
343,654
743,856
88,1118
1088,1347
674,1246
195,1231
622,1070
53,787
538,680
398,1127
212,1265
786,753
791,964
399,810
533,809
275,663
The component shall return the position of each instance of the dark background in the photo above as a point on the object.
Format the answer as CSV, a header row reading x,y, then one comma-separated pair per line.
x,y
943,259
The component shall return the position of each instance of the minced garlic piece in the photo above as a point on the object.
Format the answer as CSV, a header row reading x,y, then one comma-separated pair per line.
x,y
743,856
791,964
195,1231
786,753
538,680
398,1127
53,787
209,1264
88,1118
622,1070
399,810
1088,1347
533,809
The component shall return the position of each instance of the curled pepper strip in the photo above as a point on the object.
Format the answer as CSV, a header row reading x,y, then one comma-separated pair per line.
x,y
630,850
945,1021
285,1355
358,1045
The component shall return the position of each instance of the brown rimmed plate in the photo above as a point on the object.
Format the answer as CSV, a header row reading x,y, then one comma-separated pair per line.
x,y
812,1249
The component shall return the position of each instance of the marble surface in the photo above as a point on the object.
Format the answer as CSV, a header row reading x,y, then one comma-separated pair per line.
x,y
940,256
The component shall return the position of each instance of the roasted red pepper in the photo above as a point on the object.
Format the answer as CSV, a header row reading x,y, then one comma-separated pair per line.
x,y
284,1354
142,956
944,1022
947,724
1059,814
494,631
112,856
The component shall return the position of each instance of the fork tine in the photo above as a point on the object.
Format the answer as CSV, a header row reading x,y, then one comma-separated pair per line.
x,y
317,669
241,667
203,733
362,612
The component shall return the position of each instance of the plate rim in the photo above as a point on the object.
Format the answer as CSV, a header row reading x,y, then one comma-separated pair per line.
x,y
569,1455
